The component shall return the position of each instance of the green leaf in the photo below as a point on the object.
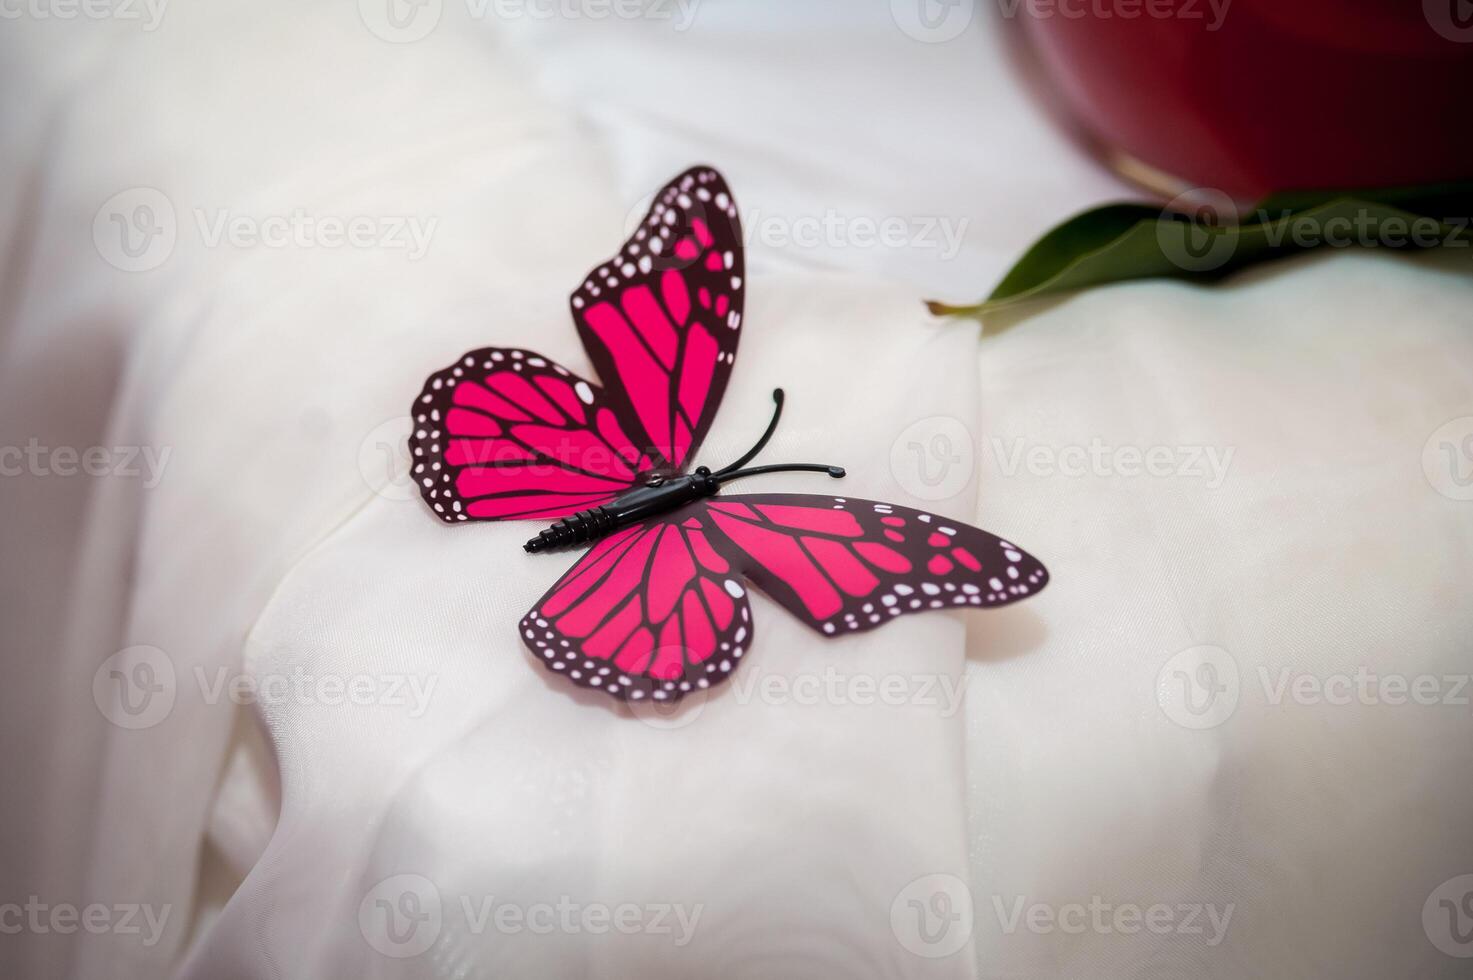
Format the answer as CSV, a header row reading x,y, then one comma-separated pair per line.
x,y
1119,242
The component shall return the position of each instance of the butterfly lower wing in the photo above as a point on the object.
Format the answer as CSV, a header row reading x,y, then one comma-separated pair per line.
x,y
650,612
841,564
506,434
661,319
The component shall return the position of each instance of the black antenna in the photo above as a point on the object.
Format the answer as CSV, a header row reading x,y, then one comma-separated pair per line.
x,y
777,413
735,472
834,471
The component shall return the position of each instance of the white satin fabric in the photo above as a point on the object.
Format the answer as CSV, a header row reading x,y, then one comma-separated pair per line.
x,y
1052,756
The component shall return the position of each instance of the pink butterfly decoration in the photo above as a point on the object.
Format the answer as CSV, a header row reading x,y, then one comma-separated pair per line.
x,y
657,607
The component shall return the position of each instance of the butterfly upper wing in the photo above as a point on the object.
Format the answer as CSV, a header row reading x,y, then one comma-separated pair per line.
x,y
506,434
841,564
661,319
652,611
